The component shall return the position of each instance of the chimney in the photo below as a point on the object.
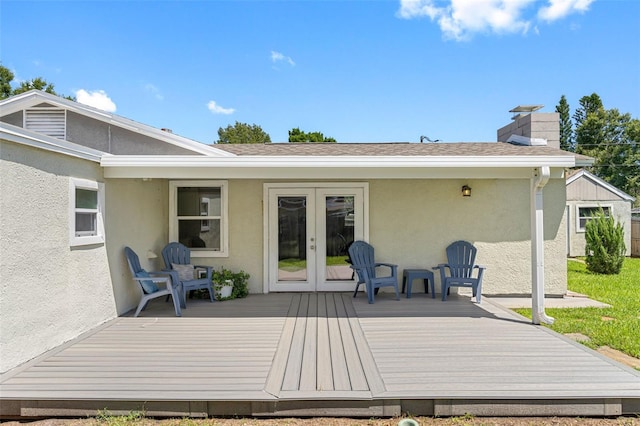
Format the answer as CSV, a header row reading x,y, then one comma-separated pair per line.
x,y
532,128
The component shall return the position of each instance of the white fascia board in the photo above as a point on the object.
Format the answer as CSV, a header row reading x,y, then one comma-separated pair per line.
x,y
329,162
37,140
34,97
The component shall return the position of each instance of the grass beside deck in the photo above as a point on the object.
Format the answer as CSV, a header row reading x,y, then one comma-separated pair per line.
x,y
618,326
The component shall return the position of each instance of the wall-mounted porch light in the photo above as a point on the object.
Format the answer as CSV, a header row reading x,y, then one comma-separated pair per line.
x,y
466,191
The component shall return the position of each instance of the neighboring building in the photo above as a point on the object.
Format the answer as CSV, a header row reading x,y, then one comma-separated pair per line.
x,y
79,184
586,194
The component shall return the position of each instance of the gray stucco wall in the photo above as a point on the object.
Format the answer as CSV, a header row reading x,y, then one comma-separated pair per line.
x,y
50,292
115,140
14,119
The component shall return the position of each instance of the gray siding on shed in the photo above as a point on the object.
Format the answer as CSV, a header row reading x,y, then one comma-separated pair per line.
x,y
583,189
586,192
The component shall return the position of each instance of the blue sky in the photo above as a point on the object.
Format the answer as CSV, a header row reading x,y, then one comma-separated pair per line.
x,y
358,71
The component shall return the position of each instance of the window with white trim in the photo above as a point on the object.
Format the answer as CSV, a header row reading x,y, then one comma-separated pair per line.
x,y
199,217
586,213
86,208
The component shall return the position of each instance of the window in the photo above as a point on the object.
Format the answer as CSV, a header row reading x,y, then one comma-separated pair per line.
x,y
586,213
86,202
199,217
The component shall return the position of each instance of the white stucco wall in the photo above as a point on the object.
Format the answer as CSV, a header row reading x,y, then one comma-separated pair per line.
x,y
412,222
49,291
137,216
430,214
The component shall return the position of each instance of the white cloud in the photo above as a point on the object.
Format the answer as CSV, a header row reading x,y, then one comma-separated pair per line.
x,y
558,9
154,91
279,57
97,99
217,109
461,19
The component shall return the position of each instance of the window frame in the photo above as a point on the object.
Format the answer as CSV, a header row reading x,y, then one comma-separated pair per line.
x,y
174,185
583,229
83,240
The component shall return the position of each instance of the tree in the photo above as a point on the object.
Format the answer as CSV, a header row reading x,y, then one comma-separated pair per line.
x,y
588,105
613,140
605,247
566,127
38,83
297,135
6,77
243,133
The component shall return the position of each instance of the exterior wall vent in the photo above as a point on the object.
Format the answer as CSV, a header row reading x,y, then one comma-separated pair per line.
x,y
48,121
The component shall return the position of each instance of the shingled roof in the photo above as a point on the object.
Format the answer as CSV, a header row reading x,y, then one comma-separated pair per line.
x,y
399,149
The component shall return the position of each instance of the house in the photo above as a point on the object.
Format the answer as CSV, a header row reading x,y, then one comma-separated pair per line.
x,y
79,184
586,194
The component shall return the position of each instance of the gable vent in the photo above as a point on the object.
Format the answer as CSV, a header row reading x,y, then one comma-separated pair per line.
x,y
48,121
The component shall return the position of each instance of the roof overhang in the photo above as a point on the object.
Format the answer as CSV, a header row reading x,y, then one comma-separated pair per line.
x,y
37,140
332,167
34,97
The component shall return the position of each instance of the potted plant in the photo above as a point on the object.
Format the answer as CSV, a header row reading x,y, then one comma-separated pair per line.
x,y
230,285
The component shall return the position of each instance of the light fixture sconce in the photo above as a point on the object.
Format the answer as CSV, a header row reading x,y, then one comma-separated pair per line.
x,y
466,191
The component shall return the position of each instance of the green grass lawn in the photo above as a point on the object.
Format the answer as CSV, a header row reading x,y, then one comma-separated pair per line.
x,y
617,327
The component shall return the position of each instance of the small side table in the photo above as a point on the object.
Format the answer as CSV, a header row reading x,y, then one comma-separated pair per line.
x,y
408,275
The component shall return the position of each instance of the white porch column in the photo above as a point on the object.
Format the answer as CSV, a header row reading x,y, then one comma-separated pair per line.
x,y
538,181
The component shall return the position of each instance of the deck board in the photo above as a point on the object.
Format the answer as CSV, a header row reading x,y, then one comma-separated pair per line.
x,y
324,347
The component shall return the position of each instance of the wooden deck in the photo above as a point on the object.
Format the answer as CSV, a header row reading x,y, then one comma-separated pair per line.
x,y
322,354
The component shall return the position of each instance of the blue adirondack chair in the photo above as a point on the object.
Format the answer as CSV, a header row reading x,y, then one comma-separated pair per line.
x,y
177,261
461,257
363,262
148,282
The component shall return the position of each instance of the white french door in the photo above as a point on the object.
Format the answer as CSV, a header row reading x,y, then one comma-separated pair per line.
x,y
309,228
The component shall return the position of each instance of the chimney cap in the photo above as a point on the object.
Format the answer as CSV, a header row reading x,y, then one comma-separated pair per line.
x,y
526,108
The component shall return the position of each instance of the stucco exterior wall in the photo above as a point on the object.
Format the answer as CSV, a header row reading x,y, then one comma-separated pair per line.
x,y
115,140
137,216
412,222
621,211
50,292
428,215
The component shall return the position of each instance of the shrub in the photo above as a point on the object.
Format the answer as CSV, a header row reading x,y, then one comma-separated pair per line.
x,y
605,247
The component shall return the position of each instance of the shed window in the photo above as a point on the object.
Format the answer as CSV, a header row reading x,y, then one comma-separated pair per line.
x,y
586,213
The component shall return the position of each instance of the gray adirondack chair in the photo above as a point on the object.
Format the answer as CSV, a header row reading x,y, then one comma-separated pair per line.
x,y
363,262
461,257
148,282
178,254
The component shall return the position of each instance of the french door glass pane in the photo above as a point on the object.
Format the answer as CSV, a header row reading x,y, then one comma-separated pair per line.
x,y
292,238
339,217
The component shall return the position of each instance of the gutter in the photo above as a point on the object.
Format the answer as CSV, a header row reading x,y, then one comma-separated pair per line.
x,y
538,181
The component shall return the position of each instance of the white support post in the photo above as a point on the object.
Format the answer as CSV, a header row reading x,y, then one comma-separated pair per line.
x,y
538,181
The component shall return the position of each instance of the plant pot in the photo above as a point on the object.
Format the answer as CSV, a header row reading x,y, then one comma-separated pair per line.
x,y
226,290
